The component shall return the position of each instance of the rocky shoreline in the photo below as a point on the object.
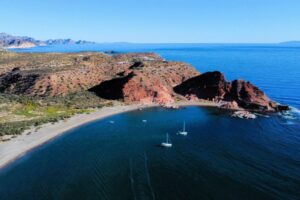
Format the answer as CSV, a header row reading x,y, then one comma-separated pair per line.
x,y
235,95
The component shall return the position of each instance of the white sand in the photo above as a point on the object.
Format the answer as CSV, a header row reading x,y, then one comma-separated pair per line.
x,y
16,147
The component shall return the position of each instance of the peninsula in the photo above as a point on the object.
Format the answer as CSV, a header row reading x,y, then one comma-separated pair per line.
x,y
49,88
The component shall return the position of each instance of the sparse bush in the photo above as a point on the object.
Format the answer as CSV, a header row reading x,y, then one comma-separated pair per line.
x,y
43,110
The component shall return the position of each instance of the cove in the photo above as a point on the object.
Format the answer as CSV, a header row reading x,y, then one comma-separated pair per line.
x,y
220,158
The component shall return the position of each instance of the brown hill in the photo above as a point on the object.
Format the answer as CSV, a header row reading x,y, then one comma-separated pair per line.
x,y
152,78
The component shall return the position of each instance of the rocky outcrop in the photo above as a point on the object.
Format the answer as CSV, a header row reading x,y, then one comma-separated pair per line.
x,y
147,89
231,105
243,114
112,89
135,87
207,86
17,82
232,95
137,65
248,96
151,83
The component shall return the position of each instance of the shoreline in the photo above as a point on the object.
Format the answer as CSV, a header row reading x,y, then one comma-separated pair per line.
x,y
17,147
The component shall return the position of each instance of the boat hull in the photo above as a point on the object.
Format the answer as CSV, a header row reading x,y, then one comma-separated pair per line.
x,y
184,133
168,145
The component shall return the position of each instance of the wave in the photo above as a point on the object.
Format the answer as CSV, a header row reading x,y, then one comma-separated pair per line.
x,y
289,123
290,116
295,110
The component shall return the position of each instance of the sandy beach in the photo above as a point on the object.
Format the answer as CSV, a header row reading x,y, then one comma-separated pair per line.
x,y
18,146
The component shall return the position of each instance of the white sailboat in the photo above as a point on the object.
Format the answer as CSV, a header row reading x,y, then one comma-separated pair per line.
x,y
183,132
167,143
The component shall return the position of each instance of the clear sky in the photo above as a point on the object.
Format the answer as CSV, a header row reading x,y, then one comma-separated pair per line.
x,y
154,21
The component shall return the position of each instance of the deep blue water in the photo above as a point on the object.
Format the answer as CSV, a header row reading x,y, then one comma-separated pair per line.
x,y
221,158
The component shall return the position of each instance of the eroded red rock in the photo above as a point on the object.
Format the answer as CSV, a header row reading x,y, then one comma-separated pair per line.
x,y
235,94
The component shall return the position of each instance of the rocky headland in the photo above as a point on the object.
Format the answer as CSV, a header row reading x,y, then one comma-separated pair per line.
x,y
236,95
131,78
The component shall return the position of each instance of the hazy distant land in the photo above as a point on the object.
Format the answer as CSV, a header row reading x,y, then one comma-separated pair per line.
x,y
290,43
10,41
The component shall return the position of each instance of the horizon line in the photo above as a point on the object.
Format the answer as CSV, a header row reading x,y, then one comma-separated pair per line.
x,y
125,42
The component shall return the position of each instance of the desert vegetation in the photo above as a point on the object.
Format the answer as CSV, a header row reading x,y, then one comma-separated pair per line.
x,y
20,112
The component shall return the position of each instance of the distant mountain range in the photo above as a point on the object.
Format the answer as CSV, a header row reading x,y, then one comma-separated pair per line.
x,y
10,41
291,43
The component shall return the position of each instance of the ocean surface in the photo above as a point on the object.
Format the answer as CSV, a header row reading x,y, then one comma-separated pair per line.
x,y
220,158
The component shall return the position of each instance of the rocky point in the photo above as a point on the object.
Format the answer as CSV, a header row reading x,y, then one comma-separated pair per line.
x,y
232,95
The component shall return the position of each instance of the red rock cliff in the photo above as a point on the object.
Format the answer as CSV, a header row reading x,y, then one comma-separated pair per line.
x,y
238,93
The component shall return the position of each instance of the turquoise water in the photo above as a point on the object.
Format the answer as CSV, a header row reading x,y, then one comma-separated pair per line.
x,y
221,158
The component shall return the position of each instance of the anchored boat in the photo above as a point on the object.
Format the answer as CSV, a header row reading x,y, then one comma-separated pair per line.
x,y
183,132
167,143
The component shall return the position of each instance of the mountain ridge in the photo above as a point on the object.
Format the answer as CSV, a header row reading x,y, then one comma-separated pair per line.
x,y
10,41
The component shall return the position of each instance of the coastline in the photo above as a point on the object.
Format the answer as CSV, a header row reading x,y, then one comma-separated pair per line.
x,y
16,147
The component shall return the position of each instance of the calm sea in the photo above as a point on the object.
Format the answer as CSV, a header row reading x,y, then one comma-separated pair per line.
x,y
220,158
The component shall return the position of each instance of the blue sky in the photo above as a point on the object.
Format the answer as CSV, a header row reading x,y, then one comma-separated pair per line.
x,y
154,21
